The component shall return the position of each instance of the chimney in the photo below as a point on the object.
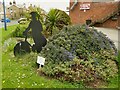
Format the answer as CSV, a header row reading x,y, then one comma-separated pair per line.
x,y
14,3
10,3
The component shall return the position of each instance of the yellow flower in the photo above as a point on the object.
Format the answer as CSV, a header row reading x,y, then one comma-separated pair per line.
x,y
42,84
3,81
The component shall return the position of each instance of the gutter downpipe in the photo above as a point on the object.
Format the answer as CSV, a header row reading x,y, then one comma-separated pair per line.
x,y
76,1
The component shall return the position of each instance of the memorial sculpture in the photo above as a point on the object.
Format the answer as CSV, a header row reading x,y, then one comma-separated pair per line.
x,y
38,38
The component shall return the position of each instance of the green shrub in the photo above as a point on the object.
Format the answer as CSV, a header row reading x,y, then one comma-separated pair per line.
x,y
80,54
19,31
56,19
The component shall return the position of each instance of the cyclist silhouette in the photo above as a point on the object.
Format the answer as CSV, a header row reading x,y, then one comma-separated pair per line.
x,y
36,26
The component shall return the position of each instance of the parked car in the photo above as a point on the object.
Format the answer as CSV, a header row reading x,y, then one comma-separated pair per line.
x,y
7,20
22,20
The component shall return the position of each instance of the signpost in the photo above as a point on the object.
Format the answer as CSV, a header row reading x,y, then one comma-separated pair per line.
x,y
5,27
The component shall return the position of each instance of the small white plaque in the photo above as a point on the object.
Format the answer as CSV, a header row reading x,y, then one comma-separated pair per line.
x,y
84,6
40,60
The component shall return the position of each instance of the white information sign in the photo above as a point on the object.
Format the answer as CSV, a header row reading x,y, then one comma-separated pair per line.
x,y
84,6
40,60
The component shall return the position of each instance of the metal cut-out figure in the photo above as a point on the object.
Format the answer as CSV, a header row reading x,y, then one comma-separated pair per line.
x,y
36,26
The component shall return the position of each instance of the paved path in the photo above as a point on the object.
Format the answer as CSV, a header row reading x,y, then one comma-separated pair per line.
x,y
113,34
13,22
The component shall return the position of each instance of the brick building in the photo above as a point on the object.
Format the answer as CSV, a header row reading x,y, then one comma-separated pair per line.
x,y
102,14
15,11
1,10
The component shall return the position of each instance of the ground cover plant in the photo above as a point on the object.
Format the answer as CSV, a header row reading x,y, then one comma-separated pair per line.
x,y
80,54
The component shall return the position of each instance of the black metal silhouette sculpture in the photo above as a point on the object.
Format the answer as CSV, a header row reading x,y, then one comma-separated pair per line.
x,y
39,40
36,26
22,47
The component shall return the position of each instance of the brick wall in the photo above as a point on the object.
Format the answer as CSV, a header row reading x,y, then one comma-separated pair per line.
x,y
97,12
108,24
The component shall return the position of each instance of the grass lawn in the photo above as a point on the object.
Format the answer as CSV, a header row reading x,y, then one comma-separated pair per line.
x,y
0,70
6,33
21,72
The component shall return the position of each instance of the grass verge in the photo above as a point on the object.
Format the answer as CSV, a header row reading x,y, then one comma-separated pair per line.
x,y
7,33
0,70
21,72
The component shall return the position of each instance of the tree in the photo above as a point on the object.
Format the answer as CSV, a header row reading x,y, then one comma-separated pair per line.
x,y
40,13
56,19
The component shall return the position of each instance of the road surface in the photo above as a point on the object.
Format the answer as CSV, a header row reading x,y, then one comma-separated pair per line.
x,y
113,34
13,22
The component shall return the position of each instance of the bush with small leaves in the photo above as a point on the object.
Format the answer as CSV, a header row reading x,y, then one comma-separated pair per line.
x,y
19,31
79,53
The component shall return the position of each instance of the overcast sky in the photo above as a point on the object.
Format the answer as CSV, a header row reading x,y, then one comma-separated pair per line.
x,y
45,4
